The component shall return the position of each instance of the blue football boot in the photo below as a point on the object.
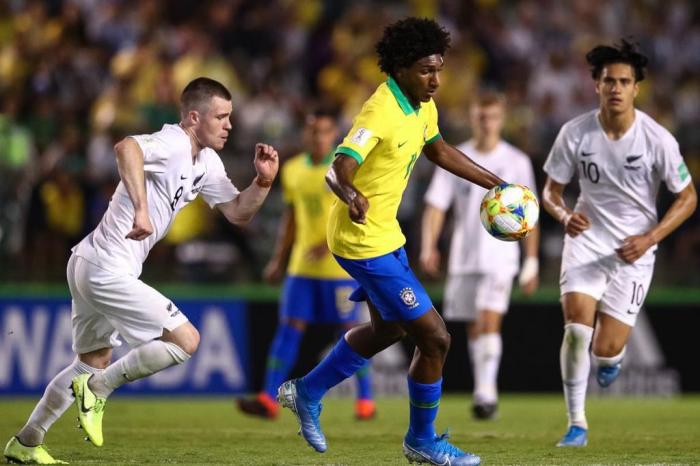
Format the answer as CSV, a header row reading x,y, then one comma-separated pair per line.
x,y
306,411
574,437
606,375
437,451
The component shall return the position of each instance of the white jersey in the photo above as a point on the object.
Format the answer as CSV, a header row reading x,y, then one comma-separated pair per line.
x,y
619,180
173,179
472,249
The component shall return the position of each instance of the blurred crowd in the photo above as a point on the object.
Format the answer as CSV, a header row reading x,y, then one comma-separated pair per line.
x,y
78,75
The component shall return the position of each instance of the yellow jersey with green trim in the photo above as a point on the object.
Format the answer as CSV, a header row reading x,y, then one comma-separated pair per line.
x,y
386,139
304,188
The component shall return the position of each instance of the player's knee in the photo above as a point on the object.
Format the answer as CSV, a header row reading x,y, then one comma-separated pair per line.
x,y
444,342
606,349
437,343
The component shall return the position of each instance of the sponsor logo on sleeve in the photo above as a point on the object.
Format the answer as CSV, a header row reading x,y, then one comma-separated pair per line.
x,y
172,310
361,136
683,171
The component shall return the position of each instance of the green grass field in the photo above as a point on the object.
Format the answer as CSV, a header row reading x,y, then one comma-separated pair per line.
x,y
211,431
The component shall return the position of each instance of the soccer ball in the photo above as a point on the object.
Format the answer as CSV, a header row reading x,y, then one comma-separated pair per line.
x,y
509,212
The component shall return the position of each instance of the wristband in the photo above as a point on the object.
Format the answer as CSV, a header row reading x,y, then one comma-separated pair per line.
x,y
263,183
565,219
529,270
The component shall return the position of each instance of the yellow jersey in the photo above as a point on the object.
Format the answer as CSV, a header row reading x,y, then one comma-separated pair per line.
x,y
304,188
386,139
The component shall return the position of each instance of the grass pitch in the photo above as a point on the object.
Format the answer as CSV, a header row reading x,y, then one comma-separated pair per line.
x,y
211,431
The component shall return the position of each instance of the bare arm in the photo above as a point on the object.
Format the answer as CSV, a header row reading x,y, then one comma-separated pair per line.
x,y
283,245
339,178
683,207
454,161
241,210
553,202
130,165
529,273
433,220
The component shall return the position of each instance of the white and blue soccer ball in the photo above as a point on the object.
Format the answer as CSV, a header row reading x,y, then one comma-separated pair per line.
x,y
509,212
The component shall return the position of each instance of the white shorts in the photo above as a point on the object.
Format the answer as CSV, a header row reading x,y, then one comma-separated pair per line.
x,y
620,288
105,305
467,294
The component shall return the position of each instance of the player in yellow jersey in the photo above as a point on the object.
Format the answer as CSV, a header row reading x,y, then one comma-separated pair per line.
x,y
369,174
316,288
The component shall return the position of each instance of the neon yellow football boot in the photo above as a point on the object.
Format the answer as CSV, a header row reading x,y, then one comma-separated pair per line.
x,y
15,452
90,409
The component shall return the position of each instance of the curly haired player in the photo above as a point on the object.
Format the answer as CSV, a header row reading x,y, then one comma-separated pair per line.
x,y
369,175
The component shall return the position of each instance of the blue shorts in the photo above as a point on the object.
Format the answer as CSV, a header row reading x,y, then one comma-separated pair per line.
x,y
390,284
316,300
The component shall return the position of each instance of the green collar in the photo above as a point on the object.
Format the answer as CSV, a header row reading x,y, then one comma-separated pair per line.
x,y
327,160
401,98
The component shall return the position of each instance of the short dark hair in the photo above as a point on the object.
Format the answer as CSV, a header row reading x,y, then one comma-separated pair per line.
x,y
408,40
325,111
624,52
200,91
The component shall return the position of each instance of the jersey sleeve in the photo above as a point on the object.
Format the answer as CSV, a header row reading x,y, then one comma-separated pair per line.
x,y
441,191
560,163
432,131
217,187
364,135
155,153
672,167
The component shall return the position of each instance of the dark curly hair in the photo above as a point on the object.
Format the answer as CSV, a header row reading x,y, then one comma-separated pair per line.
x,y
624,52
408,40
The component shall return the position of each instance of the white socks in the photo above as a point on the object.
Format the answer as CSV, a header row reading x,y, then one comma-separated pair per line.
x,y
57,398
611,361
575,366
138,363
486,358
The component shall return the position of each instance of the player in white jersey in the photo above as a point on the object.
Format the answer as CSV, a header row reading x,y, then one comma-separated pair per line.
x,y
160,174
481,268
620,156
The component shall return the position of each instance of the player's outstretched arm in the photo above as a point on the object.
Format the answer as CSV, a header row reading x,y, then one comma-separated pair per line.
x,y
681,209
339,178
130,165
243,208
433,220
453,160
528,279
283,245
553,201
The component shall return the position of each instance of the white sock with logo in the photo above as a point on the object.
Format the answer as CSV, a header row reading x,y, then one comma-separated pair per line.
x,y
57,398
486,361
575,367
138,363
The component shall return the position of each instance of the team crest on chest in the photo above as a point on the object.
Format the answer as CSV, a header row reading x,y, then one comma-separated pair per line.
x,y
409,298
